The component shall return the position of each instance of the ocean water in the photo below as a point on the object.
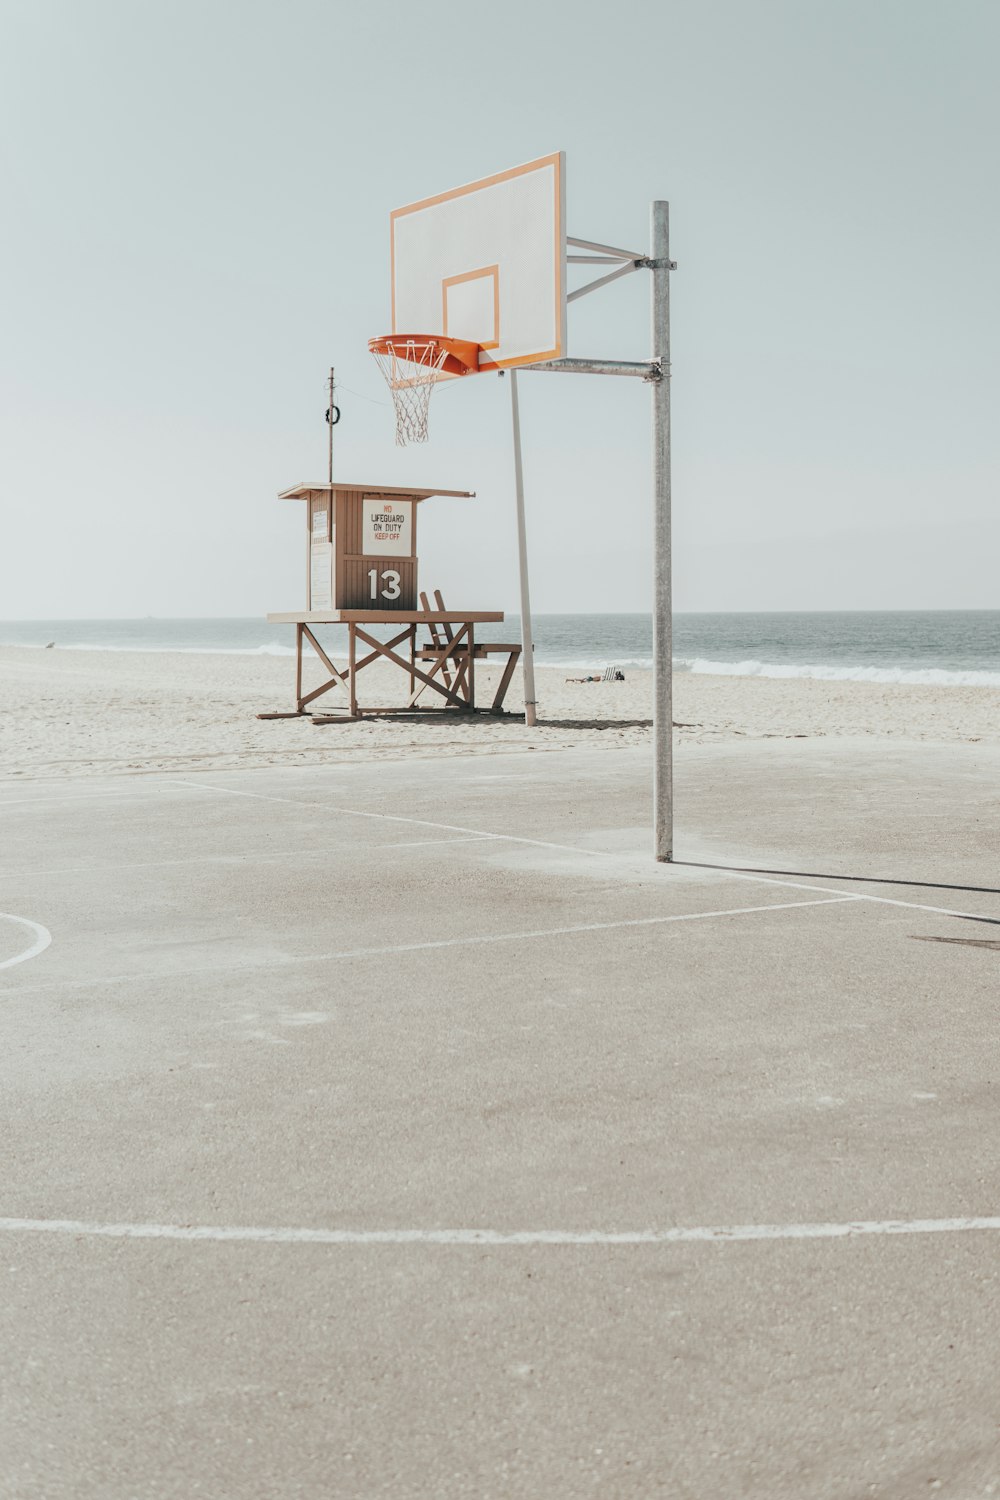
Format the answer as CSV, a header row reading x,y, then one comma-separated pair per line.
x,y
942,647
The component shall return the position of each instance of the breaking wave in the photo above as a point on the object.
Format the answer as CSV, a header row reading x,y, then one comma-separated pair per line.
x,y
903,676
273,648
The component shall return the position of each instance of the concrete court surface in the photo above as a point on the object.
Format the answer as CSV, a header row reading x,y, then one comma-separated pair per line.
x,y
375,1130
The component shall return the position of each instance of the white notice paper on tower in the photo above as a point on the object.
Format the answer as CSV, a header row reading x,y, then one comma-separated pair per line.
x,y
386,526
320,575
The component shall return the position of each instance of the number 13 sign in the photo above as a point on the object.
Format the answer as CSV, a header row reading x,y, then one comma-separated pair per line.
x,y
384,585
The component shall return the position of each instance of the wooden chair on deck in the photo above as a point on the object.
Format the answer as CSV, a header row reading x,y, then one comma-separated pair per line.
x,y
441,634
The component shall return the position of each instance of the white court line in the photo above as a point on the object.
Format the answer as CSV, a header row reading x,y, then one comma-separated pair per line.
x,y
97,871
713,1233
478,833
476,940
468,838
43,938
255,856
941,911
793,885
66,801
121,796
354,812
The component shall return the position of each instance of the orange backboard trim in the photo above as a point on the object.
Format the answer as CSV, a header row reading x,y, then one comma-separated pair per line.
x,y
554,160
494,271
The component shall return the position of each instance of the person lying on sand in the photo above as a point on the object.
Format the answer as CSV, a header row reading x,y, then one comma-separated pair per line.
x,y
608,677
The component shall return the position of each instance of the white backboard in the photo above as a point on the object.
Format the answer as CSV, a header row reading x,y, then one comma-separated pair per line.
x,y
487,262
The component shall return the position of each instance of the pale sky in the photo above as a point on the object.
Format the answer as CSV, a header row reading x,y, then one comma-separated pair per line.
x,y
196,227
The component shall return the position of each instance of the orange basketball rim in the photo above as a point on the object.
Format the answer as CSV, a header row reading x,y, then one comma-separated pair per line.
x,y
412,364
429,352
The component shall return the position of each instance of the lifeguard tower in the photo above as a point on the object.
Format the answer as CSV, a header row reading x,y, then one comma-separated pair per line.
x,y
361,545
361,571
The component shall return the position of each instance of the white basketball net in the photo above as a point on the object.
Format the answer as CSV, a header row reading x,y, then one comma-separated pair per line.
x,y
411,370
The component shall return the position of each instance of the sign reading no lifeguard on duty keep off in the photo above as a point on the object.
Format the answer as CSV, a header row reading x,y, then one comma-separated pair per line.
x,y
386,526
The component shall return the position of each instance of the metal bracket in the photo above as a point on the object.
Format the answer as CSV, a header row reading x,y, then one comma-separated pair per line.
x,y
624,262
592,286
596,248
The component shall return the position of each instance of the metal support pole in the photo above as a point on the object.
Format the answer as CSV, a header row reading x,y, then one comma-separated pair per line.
x,y
527,651
330,423
663,715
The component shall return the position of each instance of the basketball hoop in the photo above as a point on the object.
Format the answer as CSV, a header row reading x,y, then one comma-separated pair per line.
x,y
412,364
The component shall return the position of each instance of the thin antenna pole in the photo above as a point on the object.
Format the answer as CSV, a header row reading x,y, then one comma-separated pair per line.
x,y
663,710
329,422
527,648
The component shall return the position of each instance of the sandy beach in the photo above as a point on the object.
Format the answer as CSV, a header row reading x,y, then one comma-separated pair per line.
x,y
77,713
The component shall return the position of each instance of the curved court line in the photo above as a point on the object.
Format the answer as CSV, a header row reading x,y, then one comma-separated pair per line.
x,y
42,940
713,1234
